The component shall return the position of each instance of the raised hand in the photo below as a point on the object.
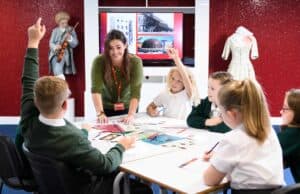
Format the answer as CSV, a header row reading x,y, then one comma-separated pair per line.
x,y
173,53
35,33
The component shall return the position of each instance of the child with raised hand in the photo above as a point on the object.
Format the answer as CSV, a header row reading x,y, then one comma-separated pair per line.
x,y
290,134
180,94
46,132
250,154
206,114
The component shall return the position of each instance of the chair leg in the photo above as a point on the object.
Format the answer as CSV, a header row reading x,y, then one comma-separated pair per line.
x,y
116,184
126,185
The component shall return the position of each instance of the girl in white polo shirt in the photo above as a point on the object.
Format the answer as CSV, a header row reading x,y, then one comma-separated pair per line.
x,y
180,94
250,155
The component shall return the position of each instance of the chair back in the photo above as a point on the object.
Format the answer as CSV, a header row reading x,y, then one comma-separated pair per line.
x,y
55,176
289,189
13,170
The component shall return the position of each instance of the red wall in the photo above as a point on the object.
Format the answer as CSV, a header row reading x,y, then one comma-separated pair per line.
x,y
276,26
16,16
275,23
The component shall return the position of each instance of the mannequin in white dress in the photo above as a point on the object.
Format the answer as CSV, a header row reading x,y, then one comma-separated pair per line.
x,y
240,44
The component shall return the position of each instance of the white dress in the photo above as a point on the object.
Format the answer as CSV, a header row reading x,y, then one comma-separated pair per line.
x,y
240,47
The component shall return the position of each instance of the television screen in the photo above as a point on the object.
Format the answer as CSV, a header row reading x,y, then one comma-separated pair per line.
x,y
148,34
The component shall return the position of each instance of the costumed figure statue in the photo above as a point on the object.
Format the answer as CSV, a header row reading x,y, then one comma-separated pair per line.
x,y
63,40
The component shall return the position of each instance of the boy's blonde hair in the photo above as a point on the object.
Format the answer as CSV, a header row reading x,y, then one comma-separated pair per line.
x,y
248,98
195,94
293,101
223,76
62,15
49,94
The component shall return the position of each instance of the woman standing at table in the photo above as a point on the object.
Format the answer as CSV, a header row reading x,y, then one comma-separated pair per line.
x,y
116,79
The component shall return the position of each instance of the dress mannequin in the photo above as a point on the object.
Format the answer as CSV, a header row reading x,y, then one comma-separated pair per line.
x,y
240,43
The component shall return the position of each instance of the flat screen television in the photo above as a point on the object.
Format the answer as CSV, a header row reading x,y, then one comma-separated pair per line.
x,y
148,34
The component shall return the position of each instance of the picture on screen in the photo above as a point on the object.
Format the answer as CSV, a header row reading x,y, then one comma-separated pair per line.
x,y
155,22
154,44
148,34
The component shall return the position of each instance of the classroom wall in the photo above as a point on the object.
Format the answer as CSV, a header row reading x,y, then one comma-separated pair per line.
x,y
276,26
275,23
16,16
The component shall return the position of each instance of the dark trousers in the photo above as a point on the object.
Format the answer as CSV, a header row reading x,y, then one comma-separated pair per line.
x,y
111,112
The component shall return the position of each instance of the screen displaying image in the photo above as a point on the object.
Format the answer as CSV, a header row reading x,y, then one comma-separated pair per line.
x,y
155,22
154,44
148,34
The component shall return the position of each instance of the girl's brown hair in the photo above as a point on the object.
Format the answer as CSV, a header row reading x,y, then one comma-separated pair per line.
x,y
248,98
293,100
115,35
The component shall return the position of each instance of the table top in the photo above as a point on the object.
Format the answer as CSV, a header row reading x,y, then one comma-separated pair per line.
x,y
162,164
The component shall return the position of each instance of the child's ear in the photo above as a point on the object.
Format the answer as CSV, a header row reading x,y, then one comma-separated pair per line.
x,y
233,113
64,105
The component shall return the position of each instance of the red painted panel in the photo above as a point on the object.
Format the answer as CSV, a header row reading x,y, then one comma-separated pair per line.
x,y
188,35
16,16
121,3
276,26
171,3
143,3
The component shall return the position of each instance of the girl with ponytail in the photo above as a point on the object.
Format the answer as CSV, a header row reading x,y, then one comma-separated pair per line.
x,y
250,154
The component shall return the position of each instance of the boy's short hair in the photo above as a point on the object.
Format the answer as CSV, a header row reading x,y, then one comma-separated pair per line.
x,y
49,94
223,76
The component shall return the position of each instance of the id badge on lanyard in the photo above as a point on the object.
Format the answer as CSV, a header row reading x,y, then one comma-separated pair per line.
x,y
118,106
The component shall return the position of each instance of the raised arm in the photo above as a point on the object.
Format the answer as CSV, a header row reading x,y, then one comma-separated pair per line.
x,y
30,68
173,53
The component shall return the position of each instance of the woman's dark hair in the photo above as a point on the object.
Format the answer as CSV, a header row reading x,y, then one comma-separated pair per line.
x,y
115,35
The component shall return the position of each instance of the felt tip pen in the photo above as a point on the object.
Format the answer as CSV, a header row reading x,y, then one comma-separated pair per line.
x,y
211,149
187,163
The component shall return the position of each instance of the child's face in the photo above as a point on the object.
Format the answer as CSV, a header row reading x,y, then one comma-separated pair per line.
x,y
287,114
63,23
116,50
213,88
176,83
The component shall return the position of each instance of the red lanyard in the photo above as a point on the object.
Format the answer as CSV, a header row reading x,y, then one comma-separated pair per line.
x,y
117,82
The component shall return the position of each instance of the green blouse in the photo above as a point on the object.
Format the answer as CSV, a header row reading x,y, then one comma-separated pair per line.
x,y
130,89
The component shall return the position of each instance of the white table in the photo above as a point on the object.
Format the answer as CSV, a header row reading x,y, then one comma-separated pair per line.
x,y
160,163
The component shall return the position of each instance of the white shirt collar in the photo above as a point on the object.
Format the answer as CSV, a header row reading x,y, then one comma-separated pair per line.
x,y
240,127
52,122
